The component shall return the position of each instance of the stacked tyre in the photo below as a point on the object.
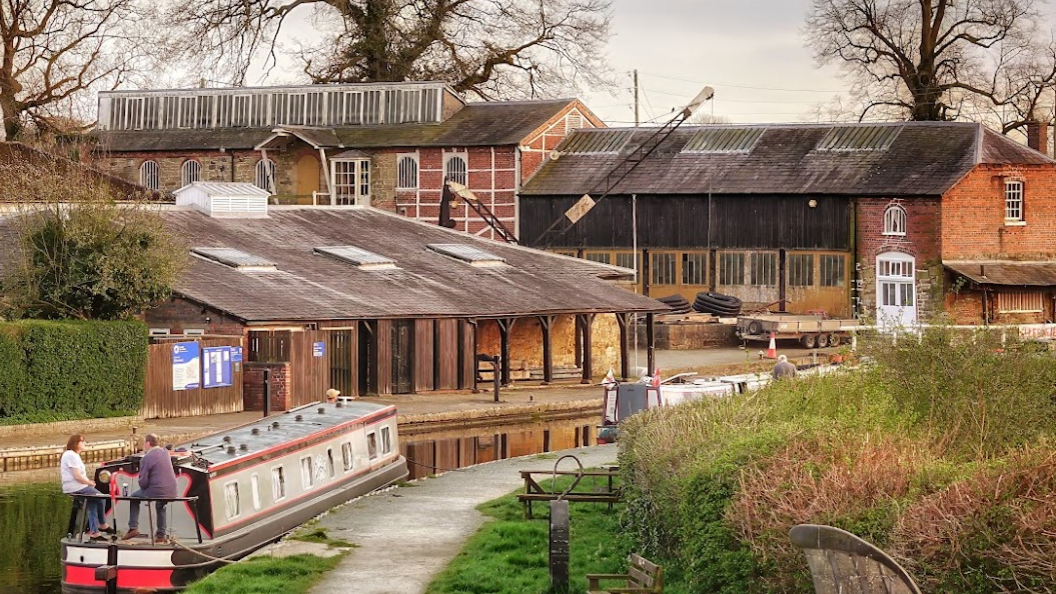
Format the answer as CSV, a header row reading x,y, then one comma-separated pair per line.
x,y
677,303
726,306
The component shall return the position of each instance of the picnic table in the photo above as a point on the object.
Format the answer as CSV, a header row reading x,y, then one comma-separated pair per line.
x,y
603,491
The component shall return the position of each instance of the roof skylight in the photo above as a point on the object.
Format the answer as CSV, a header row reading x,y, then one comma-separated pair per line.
x,y
362,258
467,253
724,140
859,138
234,258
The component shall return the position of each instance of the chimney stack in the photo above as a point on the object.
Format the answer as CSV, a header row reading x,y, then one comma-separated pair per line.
x,y
1038,136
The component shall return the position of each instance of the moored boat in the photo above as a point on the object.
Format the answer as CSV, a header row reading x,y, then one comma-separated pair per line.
x,y
237,491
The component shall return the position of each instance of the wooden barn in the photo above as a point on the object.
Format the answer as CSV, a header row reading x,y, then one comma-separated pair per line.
x,y
370,302
872,220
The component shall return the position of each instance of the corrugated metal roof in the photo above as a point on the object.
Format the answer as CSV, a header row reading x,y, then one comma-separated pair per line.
x,y
466,253
355,255
596,142
724,140
860,137
1000,272
232,257
226,189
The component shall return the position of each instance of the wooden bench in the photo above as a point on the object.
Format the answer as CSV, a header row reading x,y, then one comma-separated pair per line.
x,y
642,576
841,562
605,493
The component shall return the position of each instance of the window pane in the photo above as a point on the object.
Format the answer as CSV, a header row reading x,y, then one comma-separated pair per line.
x,y
603,257
764,270
407,173
306,472
372,445
801,270
148,175
731,268
626,260
906,294
832,270
346,456
662,268
455,170
694,268
1014,200
231,500
278,484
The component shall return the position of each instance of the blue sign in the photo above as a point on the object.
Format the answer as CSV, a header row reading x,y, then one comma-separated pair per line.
x,y
236,354
318,349
186,366
216,367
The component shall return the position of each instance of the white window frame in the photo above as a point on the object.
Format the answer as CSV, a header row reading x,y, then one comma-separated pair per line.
x,y
307,473
350,186
386,440
1015,192
448,158
264,175
372,445
895,221
227,501
331,467
254,484
1009,302
189,169
348,457
401,175
278,487
150,175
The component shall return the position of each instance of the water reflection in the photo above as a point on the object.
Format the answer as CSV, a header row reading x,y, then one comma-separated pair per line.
x,y
33,518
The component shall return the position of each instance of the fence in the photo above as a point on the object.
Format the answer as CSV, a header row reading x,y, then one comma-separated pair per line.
x,y
160,400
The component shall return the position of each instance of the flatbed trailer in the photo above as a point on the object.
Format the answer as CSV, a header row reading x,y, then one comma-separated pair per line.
x,y
810,330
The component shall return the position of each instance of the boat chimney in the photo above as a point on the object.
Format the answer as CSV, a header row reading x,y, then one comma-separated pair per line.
x,y
255,431
243,447
322,410
339,404
227,439
298,418
275,425
231,450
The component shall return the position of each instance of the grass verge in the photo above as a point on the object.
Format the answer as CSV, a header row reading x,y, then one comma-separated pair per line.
x,y
266,575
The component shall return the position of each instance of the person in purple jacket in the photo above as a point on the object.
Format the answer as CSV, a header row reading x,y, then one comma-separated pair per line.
x,y
156,479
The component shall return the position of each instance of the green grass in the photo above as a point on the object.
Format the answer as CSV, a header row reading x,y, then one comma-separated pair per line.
x,y
509,554
266,575
318,535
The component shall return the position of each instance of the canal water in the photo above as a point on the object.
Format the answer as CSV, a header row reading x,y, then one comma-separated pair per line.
x,y
34,516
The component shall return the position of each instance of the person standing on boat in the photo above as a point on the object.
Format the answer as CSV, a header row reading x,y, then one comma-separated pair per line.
x,y
783,369
76,482
156,479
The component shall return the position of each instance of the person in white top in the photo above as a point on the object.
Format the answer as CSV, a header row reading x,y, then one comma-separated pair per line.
x,y
76,482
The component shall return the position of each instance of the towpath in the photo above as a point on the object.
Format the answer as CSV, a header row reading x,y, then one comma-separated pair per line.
x,y
405,536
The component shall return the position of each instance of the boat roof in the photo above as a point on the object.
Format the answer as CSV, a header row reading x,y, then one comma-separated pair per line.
x,y
250,440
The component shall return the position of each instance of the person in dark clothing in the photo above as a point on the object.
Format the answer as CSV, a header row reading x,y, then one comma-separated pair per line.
x,y
783,369
156,479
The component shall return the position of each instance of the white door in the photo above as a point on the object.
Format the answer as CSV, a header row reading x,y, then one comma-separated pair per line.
x,y
896,290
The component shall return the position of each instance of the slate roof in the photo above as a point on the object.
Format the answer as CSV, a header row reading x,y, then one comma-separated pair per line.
x,y
999,272
476,124
922,159
312,286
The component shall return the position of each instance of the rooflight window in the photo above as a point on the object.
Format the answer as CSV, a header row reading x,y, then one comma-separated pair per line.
x,y
234,258
595,142
364,259
467,253
859,138
724,140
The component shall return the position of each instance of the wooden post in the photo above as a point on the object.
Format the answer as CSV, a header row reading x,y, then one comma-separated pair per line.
x,y
588,356
545,323
505,326
625,365
650,341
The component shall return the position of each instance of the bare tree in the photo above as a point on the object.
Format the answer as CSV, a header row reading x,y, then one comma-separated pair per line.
x,y
491,48
937,59
52,50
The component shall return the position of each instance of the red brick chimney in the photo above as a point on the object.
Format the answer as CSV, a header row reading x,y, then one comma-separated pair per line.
x,y
1038,136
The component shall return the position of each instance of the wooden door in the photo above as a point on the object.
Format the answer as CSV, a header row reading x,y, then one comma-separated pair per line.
x,y
307,176
402,356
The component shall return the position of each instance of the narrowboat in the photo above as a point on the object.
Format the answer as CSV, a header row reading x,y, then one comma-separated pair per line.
x,y
237,491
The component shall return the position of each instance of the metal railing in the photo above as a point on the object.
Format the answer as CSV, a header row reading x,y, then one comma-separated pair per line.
x,y
80,510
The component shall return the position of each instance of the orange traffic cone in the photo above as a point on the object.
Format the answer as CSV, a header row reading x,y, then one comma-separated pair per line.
x,y
771,353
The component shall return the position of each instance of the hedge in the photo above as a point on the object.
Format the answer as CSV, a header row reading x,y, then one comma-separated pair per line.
x,y
63,370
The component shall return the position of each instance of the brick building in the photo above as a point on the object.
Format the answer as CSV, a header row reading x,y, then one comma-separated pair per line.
x,y
894,222
384,145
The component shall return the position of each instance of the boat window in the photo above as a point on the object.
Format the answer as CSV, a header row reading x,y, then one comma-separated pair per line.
x,y
254,483
372,445
306,472
278,484
231,499
330,461
386,443
346,455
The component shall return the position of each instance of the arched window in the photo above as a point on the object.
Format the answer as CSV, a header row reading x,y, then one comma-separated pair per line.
x,y
190,172
149,177
407,172
895,220
455,169
265,175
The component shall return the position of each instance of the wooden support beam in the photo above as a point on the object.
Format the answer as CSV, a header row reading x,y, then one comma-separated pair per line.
x,y
545,323
505,326
588,352
625,365
650,341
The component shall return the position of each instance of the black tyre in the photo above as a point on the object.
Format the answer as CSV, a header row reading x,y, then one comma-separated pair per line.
x,y
715,309
822,340
835,339
755,327
808,341
719,298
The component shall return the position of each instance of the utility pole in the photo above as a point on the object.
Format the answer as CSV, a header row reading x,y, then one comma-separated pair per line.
x,y
635,97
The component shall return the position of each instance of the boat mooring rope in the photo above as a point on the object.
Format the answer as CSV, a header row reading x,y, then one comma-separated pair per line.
x,y
435,467
201,554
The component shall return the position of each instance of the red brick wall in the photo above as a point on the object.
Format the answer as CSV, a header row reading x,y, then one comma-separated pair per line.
x,y
253,386
973,215
178,314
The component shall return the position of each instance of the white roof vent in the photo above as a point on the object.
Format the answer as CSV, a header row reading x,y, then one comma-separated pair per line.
x,y
225,199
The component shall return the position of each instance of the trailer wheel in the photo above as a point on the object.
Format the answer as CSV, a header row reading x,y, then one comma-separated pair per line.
x,y
755,327
808,341
822,340
834,340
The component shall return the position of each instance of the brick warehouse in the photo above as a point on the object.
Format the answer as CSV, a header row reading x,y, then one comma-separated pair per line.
x,y
384,145
896,222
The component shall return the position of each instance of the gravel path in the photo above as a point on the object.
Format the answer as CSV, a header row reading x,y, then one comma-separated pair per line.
x,y
407,535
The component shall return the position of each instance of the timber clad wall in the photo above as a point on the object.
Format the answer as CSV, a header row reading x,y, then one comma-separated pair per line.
x,y
973,214
161,401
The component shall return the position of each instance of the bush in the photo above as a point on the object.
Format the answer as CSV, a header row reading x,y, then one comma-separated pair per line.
x,y
52,370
